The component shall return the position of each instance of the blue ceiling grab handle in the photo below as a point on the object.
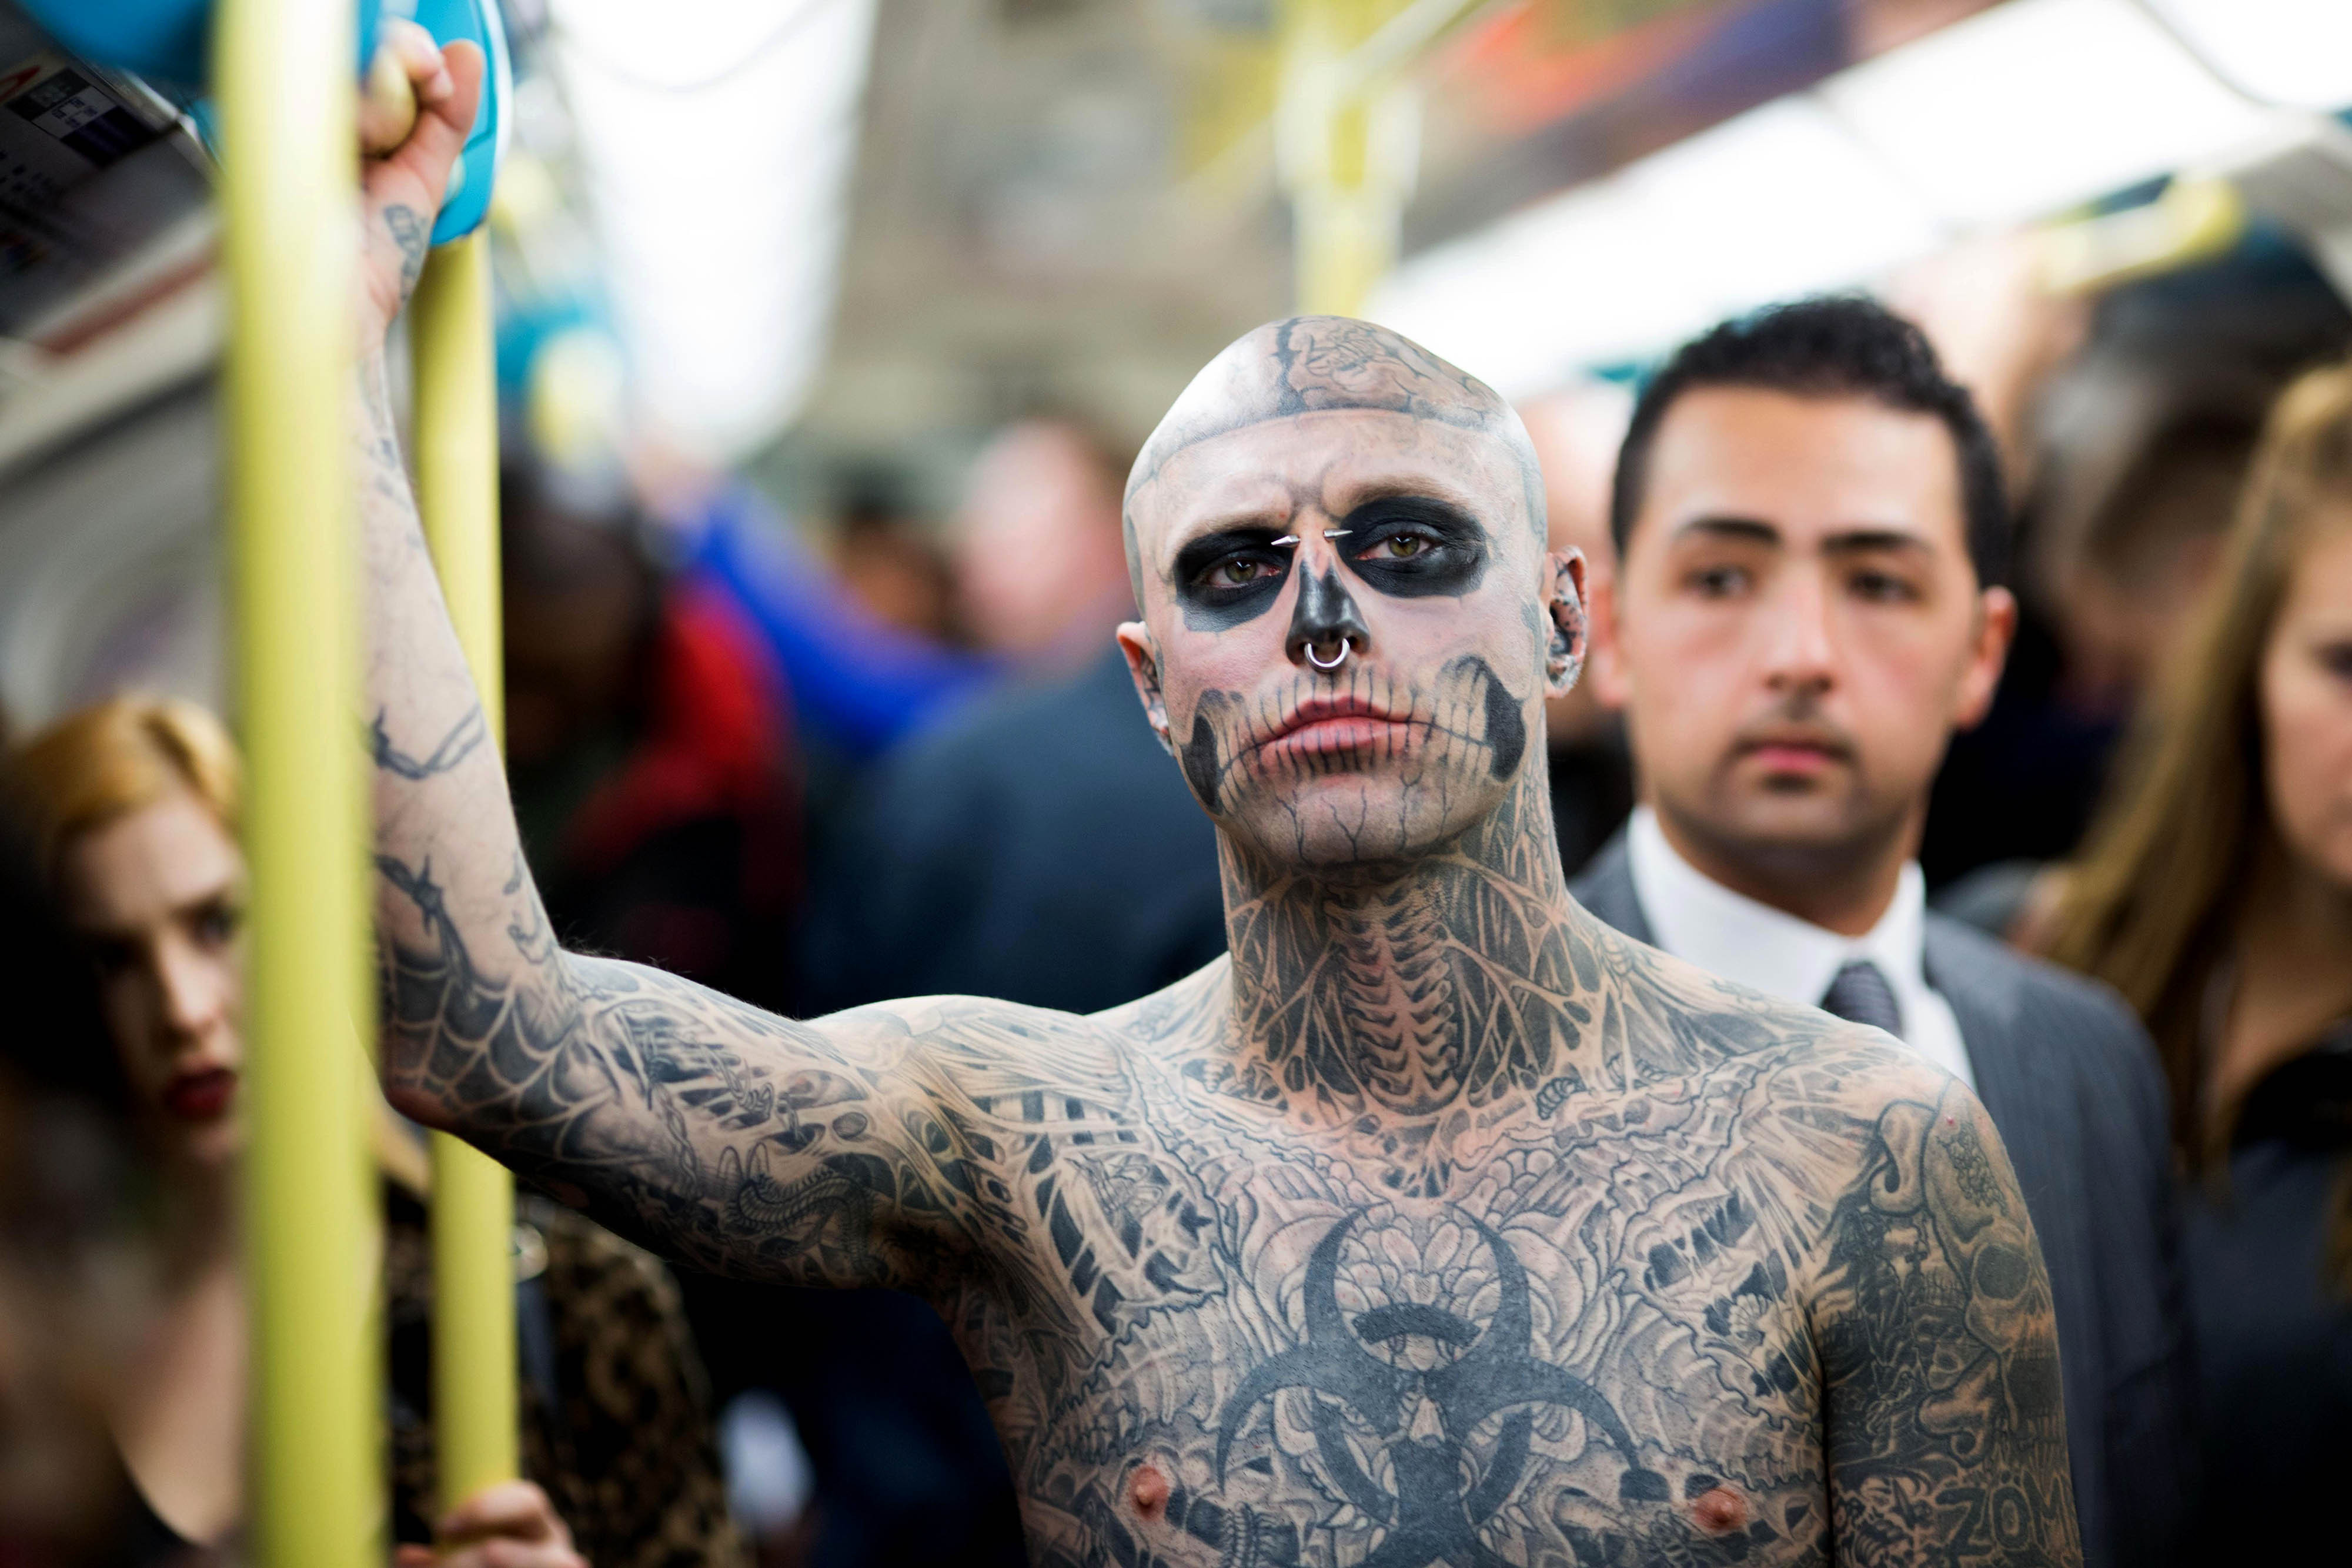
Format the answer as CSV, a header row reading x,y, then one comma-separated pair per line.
x,y
167,42
468,201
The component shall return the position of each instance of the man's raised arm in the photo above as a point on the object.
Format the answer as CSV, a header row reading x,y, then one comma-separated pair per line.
x,y
720,1134
1946,1436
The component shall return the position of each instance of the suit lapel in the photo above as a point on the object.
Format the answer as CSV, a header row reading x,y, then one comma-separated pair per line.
x,y
2020,1090
1606,889
2030,1099
1986,1010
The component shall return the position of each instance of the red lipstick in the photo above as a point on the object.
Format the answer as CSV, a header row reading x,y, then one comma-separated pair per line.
x,y
203,1095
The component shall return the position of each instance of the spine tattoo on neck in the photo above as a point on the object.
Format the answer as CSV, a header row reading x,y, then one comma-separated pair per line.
x,y
1410,986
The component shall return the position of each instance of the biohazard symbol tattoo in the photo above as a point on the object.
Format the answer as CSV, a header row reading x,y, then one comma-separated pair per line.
x,y
1430,1516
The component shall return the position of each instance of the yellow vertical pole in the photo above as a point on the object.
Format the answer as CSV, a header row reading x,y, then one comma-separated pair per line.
x,y
283,78
1347,152
474,1416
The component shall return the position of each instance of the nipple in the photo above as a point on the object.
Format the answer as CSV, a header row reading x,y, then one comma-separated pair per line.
x,y
1147,1488
1719,1511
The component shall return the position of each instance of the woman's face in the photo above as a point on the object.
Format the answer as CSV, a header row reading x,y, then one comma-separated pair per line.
x,y
157,893
2306,697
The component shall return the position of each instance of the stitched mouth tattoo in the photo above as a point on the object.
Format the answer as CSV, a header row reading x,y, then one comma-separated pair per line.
x,y
1467,712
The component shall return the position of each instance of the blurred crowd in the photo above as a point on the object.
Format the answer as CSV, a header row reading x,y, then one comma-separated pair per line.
x,y
822,761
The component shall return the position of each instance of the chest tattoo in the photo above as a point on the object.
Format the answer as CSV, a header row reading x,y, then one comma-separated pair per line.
x,y
1295,1362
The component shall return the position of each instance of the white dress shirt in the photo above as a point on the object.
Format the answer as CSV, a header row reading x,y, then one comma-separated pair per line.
x,y
1702,922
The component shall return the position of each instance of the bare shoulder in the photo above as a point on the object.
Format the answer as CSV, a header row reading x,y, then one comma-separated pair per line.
x,y
1846,1115
1930,1320
993,1068
1893,1108
1722,1026
981,1047
1908,1247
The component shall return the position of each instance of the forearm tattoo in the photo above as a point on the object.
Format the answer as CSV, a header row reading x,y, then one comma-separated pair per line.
x,y
413,233
454,747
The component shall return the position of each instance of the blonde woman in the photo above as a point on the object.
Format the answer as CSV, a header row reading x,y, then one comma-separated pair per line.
x,y
2216,894
133,806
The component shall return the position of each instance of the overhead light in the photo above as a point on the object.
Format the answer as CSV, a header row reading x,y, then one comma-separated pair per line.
x,y
2033,106
2302,178
1522,304
2013,116
2294,53
1777,202
717,149
1780,201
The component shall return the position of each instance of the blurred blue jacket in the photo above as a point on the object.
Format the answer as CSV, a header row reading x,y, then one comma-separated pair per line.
x,y
859,683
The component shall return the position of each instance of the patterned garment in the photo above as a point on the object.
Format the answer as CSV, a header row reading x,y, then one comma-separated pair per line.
x,y
629,1456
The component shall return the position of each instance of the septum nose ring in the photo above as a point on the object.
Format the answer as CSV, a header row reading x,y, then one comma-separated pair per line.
x,y
1346,645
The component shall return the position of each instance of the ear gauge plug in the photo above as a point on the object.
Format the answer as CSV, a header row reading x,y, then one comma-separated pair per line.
x,y
1568,627
1155,711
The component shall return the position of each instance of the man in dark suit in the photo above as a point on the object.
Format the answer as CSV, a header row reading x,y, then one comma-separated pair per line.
x,y
1810,530
1038,849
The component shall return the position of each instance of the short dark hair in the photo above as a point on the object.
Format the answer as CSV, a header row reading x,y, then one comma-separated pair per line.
x,y
1839,345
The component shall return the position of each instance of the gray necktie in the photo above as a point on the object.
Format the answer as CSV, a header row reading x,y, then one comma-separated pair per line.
x,y
1860,994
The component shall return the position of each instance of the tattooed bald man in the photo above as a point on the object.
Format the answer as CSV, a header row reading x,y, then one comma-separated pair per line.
x,y
1438,1224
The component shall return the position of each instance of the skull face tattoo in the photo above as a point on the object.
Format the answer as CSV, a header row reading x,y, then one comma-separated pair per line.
x,y
1337,640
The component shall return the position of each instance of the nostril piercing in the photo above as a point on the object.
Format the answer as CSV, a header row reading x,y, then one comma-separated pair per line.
x,y
1345,645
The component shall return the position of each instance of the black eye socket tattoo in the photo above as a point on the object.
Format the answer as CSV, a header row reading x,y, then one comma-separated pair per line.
x,y
1410,547
1231,577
